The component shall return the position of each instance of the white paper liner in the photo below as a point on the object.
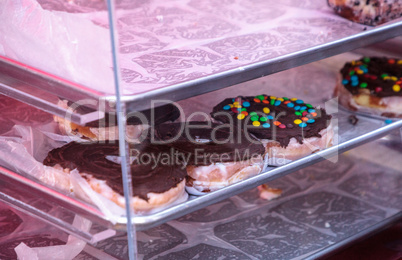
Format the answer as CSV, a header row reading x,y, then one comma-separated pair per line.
x,y
84,191
194,191
61,252
280,159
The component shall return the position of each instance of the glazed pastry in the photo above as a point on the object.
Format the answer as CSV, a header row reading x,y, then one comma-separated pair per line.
x,y
106,128
372,85
370,12
154,183
289,127
215,155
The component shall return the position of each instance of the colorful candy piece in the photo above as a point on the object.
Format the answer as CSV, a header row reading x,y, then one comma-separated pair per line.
x,y
311,110
302,125
266,125
241,116
297,121
310,121
254,118
227,107
345,81
246,104
256,123
290,105
266,110
282,126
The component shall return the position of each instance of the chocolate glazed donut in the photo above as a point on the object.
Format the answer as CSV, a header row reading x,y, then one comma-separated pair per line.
x,y
372,85
289,127
269,117
216,155
106,128
149,175
205,143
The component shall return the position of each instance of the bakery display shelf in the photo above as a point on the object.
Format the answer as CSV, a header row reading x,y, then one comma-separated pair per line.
x,y
322,209
227,45
350,136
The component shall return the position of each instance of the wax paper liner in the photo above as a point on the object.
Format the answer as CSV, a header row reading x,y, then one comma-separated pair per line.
x,y
29,145
195,191
61,43
61,252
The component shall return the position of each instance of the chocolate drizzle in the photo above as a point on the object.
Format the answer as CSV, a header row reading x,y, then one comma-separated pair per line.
x,y
377,84
281,113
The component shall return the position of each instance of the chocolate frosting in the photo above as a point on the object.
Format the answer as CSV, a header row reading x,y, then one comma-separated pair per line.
x,y
168,112
376,75
276,124
90,158
204,143
158,164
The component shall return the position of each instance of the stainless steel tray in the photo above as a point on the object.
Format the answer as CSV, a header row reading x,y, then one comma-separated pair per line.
x,y
350,136
323,208
175,50
305,82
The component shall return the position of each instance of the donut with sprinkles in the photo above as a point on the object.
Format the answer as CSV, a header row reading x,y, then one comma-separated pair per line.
x,y
284,123
372,85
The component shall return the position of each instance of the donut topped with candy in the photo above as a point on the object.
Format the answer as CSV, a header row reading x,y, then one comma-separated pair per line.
x,y
381,77
273,118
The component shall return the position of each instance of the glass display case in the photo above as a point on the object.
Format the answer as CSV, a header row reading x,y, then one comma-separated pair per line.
x,y
121,57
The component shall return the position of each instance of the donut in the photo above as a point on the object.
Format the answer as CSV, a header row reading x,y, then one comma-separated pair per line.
x,y
289,127
216,155
106,128
370,12
156,183
372,85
